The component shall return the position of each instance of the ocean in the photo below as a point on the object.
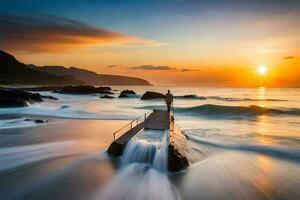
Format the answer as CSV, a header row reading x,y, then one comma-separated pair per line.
x,y
244,143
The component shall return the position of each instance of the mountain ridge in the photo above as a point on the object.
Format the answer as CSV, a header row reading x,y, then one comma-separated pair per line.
x,y
91,77
14,72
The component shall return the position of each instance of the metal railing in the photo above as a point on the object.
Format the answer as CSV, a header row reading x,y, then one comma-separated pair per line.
x,y
133,123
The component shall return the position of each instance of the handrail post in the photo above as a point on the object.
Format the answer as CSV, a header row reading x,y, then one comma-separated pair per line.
x,y
114,136
131,125
145,117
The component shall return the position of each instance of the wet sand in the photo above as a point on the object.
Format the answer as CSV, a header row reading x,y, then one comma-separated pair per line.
x,y
97,134
57,160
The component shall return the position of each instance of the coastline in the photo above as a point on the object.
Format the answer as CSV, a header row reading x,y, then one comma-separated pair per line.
x,y
58,128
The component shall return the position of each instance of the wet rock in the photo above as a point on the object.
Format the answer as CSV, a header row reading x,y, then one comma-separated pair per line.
x,y
85,90
38,121
107,97
152,95
49,97
176,161
17,98
115,149
65,106
43,88
126,93
191,96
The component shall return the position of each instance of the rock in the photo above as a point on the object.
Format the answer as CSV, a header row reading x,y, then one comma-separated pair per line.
x,y
107,97
65,106
191,96
85,90
40,121
43,88
12,102
17,98
126,93
176,160
116,149
152,95
49,97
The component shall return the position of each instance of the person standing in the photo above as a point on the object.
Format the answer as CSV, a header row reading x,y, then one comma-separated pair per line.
x,y
169,100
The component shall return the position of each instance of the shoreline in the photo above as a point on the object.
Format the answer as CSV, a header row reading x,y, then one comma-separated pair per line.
x,y
96,131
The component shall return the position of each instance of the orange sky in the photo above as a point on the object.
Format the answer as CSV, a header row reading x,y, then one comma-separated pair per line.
x,y
215,48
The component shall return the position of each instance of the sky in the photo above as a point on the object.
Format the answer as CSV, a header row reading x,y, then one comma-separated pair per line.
x,y
168,42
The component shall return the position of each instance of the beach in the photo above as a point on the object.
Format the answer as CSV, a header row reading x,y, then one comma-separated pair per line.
x,y
243,143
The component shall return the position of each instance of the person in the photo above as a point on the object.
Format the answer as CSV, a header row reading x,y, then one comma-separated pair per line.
x,y
169,100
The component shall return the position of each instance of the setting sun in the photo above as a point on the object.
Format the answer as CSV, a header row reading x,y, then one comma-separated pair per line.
x,y
262,69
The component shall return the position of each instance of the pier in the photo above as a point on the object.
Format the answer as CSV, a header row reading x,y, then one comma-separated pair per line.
x,y
154,120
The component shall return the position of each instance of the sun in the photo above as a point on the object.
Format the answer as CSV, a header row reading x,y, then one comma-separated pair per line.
x,y
262,69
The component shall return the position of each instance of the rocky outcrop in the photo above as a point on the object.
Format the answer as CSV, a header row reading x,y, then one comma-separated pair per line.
x,y
176,160
17,98
116,149
177,150
126,93
20,98
85,90
107,97
43,88
49,97
191,96
38,121
152,95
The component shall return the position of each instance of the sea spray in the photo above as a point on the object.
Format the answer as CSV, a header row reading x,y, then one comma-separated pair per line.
x,y
143,175
149,147
161,157
138,181
140,151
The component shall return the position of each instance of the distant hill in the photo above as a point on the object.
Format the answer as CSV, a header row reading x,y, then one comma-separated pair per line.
x,y
90,77
14,72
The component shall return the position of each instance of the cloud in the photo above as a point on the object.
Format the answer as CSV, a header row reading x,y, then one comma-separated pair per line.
x,y
289,57
189,70
152,67
45,33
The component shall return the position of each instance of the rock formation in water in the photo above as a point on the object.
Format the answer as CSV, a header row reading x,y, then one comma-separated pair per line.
x,y
19,98
191,96
152,95
85,90
126,93
107,97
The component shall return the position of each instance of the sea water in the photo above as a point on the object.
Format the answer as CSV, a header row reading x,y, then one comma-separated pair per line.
x,y
243,143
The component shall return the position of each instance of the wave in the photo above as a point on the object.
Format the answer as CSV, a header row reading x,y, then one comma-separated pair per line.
x,y
212,110
235,111
240,99
21,122
262,149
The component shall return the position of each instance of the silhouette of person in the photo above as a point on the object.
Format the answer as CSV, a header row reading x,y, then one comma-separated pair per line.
x,y
169,100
